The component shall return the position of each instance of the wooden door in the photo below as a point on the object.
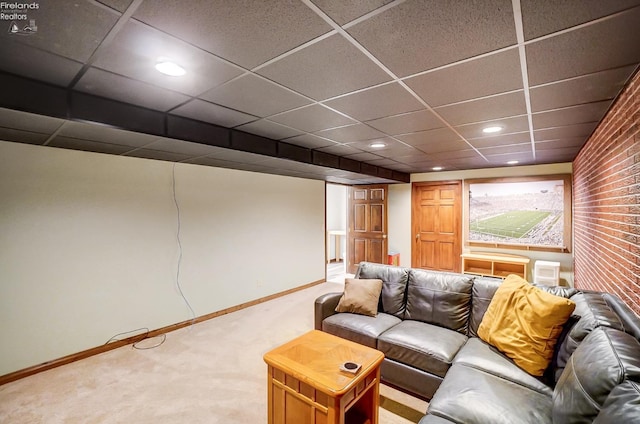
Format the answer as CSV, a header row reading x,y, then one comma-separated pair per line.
x,y
436,221
367,225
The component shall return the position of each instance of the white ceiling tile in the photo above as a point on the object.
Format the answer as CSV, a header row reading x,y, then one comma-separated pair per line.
x,y
137,48
378,102
604,45
214,114
116,87
247,33
414,37
312,118
328,68
256,96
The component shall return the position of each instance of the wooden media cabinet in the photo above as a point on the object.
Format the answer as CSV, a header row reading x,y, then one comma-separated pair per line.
x,y
495,264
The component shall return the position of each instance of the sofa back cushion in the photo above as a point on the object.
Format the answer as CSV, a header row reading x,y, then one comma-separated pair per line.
x,y
593,312
483,290
605,358
439,298
394,285
628,319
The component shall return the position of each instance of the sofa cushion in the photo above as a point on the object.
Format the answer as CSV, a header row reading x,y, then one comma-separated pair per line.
x,y
410,379
524,323
622,405
434,419
360,296
593,311
394,285
483,290
421,345
471,396
480,355
439,298
604,359
359,328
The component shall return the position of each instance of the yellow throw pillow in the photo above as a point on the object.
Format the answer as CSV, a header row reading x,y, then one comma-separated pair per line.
x,y
524,323
360,296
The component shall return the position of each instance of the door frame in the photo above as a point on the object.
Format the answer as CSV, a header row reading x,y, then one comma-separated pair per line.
x,y
344,210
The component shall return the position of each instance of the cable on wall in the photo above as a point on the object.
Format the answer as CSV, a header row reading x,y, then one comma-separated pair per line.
x,y
146,331
178,286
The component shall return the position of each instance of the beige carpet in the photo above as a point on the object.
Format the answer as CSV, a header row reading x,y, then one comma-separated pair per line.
x,y
212,372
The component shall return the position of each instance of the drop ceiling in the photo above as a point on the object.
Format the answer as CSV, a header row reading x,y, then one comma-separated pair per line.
x,y
304,87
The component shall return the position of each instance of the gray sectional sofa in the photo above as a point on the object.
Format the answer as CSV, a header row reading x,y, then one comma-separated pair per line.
x,y
427,325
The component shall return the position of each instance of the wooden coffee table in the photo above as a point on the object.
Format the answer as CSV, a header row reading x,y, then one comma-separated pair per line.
x,y
306,386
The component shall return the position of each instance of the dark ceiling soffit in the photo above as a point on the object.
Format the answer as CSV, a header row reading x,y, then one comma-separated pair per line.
x,y
197,131
293,152
29,96
44,99
86,107
253,143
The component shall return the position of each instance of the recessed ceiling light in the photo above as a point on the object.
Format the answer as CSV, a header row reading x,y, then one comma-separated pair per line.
x,y
378,145
437,168
491,130
512,162
172,69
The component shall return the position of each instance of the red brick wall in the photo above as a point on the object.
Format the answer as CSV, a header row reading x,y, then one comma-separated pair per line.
x,y
606,202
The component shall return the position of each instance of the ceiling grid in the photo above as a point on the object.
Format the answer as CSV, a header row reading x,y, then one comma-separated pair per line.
x,y
307,88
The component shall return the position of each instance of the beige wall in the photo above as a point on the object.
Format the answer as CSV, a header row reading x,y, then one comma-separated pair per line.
x,y
400,211
88,245
399,222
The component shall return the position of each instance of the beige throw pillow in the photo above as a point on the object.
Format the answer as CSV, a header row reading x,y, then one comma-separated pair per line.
x,y
360,296
524,323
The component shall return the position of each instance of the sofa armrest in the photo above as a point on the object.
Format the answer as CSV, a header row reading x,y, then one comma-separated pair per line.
x,y
325,306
